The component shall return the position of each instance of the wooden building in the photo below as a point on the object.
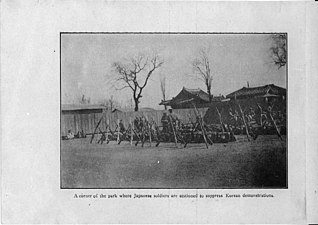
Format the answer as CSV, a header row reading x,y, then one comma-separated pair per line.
x,y
85,117
80,117
267,92
81,109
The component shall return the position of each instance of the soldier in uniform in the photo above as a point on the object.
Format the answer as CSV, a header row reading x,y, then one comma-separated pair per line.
x,y
174,118
70,134
173,115
121,127
164,122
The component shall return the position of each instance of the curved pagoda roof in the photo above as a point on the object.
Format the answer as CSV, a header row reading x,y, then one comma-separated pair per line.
x,y
269,89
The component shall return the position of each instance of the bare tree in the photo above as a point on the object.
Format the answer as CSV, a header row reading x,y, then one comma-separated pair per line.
x,y
84,100
163,89
111,103
279,50
135,73
201,67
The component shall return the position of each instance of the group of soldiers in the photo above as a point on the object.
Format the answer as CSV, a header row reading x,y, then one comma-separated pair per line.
x,y
172,129
139,130
251,121
142,130
71,135
258,120
169,121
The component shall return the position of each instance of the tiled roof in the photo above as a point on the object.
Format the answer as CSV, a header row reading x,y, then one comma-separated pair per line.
x,y
187,94
218,98
256,91
198,92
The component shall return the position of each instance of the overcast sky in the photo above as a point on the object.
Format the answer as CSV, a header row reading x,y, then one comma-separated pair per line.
x,y
235,59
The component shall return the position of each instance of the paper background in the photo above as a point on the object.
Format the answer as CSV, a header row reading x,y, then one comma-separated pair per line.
x,y
312,116
30,108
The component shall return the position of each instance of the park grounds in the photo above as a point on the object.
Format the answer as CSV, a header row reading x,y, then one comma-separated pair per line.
x,y
260,163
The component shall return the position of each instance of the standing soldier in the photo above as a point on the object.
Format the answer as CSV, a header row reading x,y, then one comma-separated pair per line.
x,y
174,117
121,127
164,122
121,131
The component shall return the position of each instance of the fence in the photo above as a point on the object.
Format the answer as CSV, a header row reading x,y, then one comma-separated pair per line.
x,y
87,122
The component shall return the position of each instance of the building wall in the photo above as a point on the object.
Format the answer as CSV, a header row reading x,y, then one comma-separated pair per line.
x,y
76,122
82,111
189,105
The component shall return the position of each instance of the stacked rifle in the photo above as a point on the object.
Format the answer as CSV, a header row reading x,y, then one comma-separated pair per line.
x,y
143,131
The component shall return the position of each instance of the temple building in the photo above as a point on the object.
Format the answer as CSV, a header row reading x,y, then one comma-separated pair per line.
x,y
188,98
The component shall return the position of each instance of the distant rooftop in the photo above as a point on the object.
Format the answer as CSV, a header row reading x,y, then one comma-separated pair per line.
x,y
198,92
260,90
144,109
73,107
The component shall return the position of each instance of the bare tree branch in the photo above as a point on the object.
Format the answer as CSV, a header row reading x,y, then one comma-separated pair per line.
x,y
163,89
279,50
137,67
123,87
201,67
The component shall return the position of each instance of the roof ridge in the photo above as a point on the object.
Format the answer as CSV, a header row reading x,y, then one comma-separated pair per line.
x,y
197,89
254,90
262,86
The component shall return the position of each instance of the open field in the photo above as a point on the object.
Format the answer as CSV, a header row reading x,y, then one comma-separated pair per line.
x,y
242,164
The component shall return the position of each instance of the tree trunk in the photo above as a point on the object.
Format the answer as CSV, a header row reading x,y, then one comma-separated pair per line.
x,y
209,93
136,105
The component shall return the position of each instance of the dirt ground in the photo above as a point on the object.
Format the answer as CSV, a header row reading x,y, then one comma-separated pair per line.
x,y
259,163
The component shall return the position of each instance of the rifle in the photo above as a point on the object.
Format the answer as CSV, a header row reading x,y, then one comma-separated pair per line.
x,y
131,131
107,127
278,133
243,117
202,127
118,138
220,117
174,133
100,120
157,134
149,127
102,138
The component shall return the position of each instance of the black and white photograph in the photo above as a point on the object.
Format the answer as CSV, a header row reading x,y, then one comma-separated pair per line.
x,y
173,110
160,112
